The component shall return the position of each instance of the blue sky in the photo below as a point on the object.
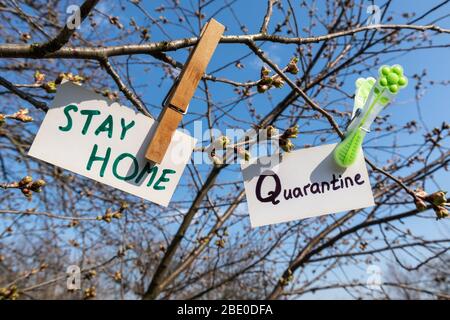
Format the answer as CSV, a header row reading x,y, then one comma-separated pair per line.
x,y
434,105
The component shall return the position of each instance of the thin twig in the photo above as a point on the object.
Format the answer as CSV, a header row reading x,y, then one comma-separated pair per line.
x,y
47,214
28,51
267,17
25,96
305,97
64,35
122,87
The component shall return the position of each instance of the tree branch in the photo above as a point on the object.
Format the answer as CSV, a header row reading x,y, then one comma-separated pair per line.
x,y
122,87
266,21
28,51
64,35
25,96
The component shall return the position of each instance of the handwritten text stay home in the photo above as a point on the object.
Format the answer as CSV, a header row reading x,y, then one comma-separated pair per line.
x,y
87,134
108,128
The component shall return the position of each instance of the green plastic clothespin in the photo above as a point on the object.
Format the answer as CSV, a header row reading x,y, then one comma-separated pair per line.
x,y
371,97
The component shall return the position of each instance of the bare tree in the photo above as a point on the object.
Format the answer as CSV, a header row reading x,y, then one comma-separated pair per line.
x,y
431,280
202,245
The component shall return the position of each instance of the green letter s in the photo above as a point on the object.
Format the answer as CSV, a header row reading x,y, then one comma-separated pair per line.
x,y
67,109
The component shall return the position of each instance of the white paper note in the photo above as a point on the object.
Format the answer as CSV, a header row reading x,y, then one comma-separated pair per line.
x,y
304,183
86,133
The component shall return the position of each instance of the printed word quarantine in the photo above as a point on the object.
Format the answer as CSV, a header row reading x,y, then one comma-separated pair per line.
x,y
304,183
334,184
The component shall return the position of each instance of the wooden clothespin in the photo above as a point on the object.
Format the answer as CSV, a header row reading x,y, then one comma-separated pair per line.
x,y
176,103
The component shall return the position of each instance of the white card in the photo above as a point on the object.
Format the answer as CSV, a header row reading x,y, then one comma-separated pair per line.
x,y
304,183
86,133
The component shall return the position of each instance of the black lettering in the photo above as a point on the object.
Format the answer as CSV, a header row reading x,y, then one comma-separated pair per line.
x,y
324,183
287,194
333,182
315,188
357,177
305,189
298,192
271,195
348,179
